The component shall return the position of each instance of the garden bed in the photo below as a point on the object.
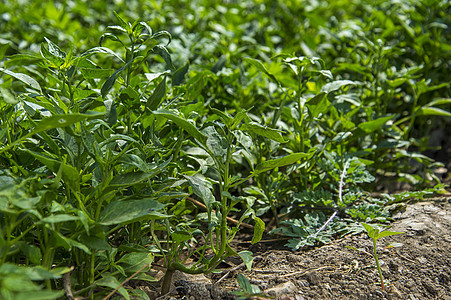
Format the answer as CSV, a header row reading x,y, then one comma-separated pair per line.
x,y
419,269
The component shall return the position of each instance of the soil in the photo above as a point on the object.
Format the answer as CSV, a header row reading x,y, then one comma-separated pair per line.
x,y
419,269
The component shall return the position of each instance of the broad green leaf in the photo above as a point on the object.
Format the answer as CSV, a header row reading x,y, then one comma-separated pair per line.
x,y
96,50
152,76
216,143
157,96
24,78
201,189
31,252
341,136
224,116
21,60
179,75
373,125
59,218
433,111
244,283
55,50
280,162
180,236
95,243
259,229
247,258
335,85
318,104
70,174
259,66
39,295
182,123
118,212
92,73
132,178
59,121
388,233
371,231
136,258
113,283
264,131
439,102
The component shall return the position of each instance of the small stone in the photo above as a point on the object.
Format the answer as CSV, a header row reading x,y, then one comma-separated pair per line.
x,y
422,260
312,278
282,289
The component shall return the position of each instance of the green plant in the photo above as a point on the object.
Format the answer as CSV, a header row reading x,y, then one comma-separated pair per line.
x,y
374,232
248,290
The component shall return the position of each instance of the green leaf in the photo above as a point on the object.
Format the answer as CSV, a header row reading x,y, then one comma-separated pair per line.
x,y
59,121
132,178
70,174
388,233
59,218
106,87
180,236
373,125
92,73
259,66
280,162
179,75
441,101
433,111
118,212
24,78
163,52
136,258
113,283
182,123
371,231
157,96
39,295
21,60
335,85
123,23
264,131
201,189
96,50
244,283
216,143
31,252
247,258
318,104
259,229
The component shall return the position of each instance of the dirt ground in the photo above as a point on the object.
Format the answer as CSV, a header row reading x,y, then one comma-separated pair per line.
x,y
419,269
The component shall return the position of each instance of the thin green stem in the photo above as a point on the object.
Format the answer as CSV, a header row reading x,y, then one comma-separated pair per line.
x,y
377,264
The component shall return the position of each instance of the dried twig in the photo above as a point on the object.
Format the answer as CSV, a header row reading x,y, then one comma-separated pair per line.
x,y
228,272
307,271
67,285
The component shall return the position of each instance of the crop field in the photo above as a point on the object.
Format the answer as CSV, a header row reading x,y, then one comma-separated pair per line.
x,y
146,141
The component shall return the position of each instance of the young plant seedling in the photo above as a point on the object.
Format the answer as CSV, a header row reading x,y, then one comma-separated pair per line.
x,y
248,290
375,233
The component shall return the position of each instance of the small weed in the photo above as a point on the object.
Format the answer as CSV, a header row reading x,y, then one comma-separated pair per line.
x,y
248,290
375,233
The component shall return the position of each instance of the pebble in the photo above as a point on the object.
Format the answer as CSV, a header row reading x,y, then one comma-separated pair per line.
x,y
282,289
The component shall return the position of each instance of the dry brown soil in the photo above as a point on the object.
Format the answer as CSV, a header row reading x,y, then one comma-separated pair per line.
x,y
419,269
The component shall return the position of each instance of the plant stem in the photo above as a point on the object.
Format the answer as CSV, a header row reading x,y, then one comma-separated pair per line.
x,y
377,264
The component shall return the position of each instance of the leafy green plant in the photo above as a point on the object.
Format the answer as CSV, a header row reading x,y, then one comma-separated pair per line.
x,y
248,290
376,233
